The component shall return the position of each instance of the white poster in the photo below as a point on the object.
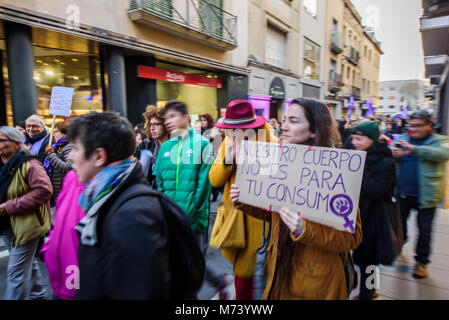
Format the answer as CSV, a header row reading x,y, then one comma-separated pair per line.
x,y
61,101
323,184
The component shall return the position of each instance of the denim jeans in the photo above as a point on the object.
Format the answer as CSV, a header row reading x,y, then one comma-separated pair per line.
x,y
23,278
425,219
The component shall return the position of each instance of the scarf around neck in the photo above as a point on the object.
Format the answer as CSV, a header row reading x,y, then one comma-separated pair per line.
x,y
96,193
38,137
8,169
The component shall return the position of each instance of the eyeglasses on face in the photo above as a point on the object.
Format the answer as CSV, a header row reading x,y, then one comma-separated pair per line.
x,y
4,140
33,126
155,125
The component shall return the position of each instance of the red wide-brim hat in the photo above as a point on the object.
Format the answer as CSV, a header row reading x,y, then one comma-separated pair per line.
x,y
240,115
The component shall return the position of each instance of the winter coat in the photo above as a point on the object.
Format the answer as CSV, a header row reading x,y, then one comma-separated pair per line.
x,y
317,270
28,204
131,257
60,251
378,183
432,155
61,164
243,260
182,173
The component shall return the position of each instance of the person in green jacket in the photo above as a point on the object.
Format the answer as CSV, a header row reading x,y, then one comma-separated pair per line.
x,y
182,172
421,156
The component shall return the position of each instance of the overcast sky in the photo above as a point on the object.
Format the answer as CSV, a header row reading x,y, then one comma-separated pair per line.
x,y
398,31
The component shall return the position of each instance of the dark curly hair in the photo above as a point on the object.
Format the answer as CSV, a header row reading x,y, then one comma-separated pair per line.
x,y
210,120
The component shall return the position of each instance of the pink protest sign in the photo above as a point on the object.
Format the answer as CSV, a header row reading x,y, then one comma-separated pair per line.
x,y
61,101
321,183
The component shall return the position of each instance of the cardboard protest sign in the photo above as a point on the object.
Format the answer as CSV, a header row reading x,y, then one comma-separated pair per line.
x,y
321,183
61,101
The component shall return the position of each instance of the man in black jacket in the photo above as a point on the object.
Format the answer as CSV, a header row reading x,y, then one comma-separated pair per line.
x,y
123,251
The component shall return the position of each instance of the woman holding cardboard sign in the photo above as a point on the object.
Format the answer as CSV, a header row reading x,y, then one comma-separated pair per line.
x,y
303,257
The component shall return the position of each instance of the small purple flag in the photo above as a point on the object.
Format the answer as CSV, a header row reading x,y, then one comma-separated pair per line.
x,y
370,111
351,106
404,114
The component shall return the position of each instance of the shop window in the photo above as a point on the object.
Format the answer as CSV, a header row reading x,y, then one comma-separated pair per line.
x,y
311,61
199,99
80,71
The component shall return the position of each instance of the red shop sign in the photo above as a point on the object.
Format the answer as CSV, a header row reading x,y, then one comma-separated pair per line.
x,y
174,76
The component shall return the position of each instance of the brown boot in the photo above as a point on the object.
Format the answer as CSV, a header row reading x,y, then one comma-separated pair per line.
x,y
420,271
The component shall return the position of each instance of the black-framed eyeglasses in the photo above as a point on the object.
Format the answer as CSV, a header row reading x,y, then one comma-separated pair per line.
x,y
4,140
417,125
155,125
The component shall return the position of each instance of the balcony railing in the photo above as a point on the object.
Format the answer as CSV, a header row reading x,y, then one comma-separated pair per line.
x,y
195,19
337,42
335,82
354,56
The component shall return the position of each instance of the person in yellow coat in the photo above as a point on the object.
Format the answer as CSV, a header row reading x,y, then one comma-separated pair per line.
x,y
303,259
239,115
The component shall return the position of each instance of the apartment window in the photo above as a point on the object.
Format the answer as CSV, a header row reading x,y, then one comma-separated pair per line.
x,y
353,77
368,84
363,85
355,42
275,47
311,61
311,7
391,107
369,55
349,73
364,54
344,35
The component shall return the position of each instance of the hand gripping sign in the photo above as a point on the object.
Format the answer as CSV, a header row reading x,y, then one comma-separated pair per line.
x,y
321,183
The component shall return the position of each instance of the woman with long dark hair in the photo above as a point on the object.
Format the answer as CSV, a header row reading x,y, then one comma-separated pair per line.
x,y
303,260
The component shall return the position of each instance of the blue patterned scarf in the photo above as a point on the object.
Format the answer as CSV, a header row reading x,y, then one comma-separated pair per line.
x,y
95,194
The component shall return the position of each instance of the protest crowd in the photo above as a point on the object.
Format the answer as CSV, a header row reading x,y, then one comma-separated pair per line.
x,y
122,212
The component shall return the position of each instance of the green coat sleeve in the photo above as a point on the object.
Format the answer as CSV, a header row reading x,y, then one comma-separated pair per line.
x,y
437,152
203,186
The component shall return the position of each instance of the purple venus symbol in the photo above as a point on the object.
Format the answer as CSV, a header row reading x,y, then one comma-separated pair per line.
x,y
341,205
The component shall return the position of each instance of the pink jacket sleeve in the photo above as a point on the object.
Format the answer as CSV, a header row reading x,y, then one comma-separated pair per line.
x,y
40,193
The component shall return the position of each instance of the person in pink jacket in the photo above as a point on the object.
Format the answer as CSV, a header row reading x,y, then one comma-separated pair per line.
x,y
60,251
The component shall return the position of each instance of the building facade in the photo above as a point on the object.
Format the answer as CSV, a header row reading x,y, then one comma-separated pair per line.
x,y
273,51
313,38
351,60
122,55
